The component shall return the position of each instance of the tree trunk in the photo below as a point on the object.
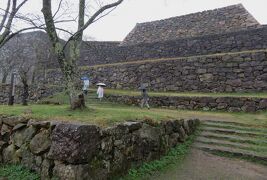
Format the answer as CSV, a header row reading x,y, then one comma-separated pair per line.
x,y
76,97
4,78
25,93
71,78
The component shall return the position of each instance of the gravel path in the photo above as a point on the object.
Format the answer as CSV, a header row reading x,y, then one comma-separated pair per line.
x,y
200,165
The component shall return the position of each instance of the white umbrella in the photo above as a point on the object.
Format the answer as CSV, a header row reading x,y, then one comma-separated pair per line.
x,y
101,84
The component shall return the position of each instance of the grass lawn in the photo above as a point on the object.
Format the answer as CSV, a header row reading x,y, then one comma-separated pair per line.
x,y
106,113
17,172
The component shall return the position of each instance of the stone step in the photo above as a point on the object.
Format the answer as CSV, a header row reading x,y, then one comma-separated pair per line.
x,y
250,147
232,138
229,126
242,133
232,151
230,123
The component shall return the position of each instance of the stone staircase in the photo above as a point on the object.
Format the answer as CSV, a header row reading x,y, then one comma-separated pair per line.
x,y
233,140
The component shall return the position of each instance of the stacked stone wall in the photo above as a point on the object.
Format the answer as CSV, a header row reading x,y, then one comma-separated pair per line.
x,y
227,19
237,72
230,104
80,151
35,92
109,52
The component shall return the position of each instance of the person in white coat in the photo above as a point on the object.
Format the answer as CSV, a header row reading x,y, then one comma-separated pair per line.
x,y
100,92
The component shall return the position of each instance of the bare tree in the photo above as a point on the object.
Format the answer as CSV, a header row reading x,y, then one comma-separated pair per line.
x,y
25,67
22,60
68,52
7,62
8,15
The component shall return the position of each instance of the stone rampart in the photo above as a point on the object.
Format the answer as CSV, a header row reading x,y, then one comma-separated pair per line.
x,y
236,72
81,151
94,53
227,19
230,104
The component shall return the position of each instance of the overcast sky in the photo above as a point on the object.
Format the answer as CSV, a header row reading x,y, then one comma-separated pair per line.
x,y
120,22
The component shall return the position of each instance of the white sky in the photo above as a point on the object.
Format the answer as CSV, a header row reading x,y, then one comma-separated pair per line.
x,y
120,22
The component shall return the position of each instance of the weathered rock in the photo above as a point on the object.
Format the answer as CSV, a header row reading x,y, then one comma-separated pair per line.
x,y
133,126
148,132
168,127
47,169
9,155
39,124
5,132
23,136
182,134
186,127
72,172
40,143
14,120
173,139
2,146
263,104
74,143
18,127
29,160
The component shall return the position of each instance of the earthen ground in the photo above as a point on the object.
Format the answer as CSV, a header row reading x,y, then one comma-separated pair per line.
x,y
200,165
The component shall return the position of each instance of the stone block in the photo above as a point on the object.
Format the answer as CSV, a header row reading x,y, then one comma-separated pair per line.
x,y
40,143
73,143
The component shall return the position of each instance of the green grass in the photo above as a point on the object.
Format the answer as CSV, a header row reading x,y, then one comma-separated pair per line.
x,y
17,172
106,113
172,159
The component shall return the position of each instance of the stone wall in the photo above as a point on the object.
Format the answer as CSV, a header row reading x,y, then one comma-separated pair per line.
x,y
216,21
230,104
94,53
79,151
237,72
35,92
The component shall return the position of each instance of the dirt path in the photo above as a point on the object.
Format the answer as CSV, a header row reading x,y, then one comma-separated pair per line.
x,y
200,165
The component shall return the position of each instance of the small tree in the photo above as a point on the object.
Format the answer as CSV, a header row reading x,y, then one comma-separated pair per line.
x,y
68,52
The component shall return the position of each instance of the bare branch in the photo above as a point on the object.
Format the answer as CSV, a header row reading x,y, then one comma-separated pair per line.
x,y
5,35
2,43
92,19
5,15
58,8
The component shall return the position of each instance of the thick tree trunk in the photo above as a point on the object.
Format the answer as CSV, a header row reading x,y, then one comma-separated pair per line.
x,y
76,97
71,78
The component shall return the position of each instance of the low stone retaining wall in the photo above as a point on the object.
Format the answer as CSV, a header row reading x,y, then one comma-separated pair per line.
x,y
79,151
231,104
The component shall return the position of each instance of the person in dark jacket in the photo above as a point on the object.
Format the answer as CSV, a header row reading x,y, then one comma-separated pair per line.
x,y
145,98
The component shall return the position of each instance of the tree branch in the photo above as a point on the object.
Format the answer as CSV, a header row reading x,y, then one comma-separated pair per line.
x,y
58,8
5,35
92,19
5,15
2,43
49,21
